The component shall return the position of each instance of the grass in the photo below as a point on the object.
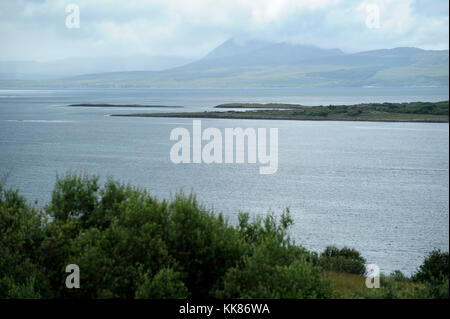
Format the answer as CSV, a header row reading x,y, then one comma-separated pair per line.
x,y
351,286
347,285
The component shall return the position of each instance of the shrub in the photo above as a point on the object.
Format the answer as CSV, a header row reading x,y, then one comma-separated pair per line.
x,y
354,112
203,244
435,267
273,267
261,277
397,275
20,234
129,244
342,260
317,112
438,289
434,273
123,232
25,290
74,196
165,285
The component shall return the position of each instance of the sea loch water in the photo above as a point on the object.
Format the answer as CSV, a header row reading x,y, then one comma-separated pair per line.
x,y
381,188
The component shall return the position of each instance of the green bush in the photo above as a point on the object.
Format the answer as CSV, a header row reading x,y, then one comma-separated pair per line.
x,y
397,275
25,290
437,289
20,234
203,244
435,267
434,273
354,112
346,260
273,266
165,285
261,277
129,244
74,196
319,111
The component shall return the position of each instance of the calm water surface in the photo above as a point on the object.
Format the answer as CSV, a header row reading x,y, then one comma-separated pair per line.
x,y
381,188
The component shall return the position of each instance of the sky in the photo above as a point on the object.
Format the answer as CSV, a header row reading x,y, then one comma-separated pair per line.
x,y
42,30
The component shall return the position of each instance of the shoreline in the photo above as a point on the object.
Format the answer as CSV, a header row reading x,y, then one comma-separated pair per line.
x,y
417,112
244,117
122,105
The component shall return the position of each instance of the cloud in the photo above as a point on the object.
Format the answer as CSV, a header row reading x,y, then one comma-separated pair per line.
x,y
36,29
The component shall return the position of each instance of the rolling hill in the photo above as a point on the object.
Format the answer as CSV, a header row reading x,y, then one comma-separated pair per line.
x,y
262,64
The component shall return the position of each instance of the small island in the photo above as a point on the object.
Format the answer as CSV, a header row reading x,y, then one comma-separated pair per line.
x,y
121,105
433,112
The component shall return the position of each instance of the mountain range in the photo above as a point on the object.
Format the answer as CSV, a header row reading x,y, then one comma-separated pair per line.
x,y
251,63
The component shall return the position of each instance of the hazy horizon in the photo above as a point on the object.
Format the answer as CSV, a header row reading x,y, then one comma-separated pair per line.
x,y
188,59
35,30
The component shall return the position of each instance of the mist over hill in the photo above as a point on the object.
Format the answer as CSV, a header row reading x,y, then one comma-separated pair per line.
x,y
234,53
255,63
33,70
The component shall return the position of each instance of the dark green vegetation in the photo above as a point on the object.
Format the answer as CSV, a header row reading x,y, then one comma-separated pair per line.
x,y
129,244
345,260
393,112
120,105
436,108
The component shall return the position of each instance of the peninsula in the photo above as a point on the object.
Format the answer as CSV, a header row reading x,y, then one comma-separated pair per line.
x,y
120,105
383,112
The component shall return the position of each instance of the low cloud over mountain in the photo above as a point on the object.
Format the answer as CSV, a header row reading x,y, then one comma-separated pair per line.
x,y
255,63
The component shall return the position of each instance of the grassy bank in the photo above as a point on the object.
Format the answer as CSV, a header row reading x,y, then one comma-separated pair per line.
x,y
385,112
129,244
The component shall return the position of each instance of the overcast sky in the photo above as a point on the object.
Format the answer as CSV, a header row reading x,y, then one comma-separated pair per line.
x,y
36,29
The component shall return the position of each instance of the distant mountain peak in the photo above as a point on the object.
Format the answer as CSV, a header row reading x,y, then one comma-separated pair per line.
x,y
235,46
259,52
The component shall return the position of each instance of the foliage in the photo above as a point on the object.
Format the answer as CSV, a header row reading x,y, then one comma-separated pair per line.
x,y
129,244
435,267
74,196
346,260
165,285
412,111
261,276
437,289
273,267
434,273
20,233
435,108
397,275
